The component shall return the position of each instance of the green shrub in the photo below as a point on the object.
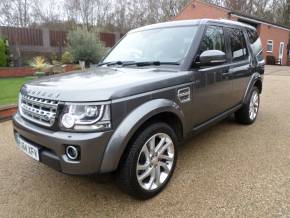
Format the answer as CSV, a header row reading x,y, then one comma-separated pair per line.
x,y
67,58
39,74
85,46
7,52
53,57
39,63
3,55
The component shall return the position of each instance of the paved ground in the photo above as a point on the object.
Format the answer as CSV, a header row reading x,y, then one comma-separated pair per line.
x,y
227,171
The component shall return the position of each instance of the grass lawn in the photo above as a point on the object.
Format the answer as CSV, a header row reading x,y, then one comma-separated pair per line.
x,y
9,89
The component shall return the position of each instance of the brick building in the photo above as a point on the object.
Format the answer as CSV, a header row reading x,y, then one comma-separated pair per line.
x,y
274,37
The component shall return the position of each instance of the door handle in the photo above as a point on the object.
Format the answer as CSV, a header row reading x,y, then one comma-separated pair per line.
x,y
230,72
227,73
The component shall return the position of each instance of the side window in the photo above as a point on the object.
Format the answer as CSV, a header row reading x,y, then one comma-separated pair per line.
x,y
238,44
256,44
213,39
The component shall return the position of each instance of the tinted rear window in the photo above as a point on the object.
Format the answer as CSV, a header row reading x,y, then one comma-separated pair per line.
x,y
238,44
253,35
256,44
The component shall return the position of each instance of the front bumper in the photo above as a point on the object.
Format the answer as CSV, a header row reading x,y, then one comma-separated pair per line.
x,y
52,146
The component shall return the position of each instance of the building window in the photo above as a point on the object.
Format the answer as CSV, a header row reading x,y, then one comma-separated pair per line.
x,y
270,46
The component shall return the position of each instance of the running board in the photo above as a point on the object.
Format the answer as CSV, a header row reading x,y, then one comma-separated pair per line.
x,y
215,120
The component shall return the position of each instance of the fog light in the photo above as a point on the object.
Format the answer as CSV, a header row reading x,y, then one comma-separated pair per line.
x,y
72,152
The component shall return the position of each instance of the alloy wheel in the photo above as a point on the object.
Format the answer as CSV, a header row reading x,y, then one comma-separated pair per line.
x,y
155,162
254,105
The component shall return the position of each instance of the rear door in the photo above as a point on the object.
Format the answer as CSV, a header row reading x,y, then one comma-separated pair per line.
x,y
213,85
242,63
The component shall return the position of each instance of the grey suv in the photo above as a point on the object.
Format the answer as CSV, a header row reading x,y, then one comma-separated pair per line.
x,y
159,85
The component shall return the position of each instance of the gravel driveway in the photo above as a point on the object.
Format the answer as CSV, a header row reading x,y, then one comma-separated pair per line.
x,y
229,170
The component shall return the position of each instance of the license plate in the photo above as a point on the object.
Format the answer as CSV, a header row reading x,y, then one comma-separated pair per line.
x,y
27,148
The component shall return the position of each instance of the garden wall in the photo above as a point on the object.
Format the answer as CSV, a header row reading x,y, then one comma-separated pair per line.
x,y
16,71
25,43
26,71
7,112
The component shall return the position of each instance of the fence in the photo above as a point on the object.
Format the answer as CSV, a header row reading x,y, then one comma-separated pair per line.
x,y
22,36
25,43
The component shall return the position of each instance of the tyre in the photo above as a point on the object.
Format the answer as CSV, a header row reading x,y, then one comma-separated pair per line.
x,y
148,164
249,112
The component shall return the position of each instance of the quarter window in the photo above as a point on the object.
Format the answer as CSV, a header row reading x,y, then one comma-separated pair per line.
x,y
256,44
253,36
213,39
270,46
238,44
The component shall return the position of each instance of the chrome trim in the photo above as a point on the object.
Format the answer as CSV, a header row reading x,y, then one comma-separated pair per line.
x,y
74,149
100,115
38,110
184,95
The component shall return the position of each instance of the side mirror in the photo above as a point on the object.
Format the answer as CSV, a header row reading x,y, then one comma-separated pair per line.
x,y
212,57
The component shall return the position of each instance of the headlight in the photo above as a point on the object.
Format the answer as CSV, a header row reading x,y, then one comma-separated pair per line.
x,y
86,117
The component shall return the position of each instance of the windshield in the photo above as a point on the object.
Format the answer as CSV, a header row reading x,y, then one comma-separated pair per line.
x,y
163,45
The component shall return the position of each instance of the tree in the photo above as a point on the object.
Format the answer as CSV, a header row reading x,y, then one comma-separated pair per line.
x,y
6,13
85,46
123,15
286,14
22,12
244,6
49,12
15,12
88,12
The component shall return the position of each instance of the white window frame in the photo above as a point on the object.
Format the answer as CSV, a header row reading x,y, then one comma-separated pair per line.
x,y
272,42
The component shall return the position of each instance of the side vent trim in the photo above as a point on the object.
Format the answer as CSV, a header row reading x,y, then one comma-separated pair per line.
x,y
184,95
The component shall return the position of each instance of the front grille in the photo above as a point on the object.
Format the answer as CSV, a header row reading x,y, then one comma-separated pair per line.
x,y
38,110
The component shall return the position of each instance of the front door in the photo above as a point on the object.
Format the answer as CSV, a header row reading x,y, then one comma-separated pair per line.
x,y
281,51
213,85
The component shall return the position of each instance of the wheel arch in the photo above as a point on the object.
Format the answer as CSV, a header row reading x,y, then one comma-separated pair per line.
x,y
255,80
258,83
158,110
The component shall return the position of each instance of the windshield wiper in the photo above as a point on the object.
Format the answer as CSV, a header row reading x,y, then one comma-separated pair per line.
x,y
139,64
148,63
111,63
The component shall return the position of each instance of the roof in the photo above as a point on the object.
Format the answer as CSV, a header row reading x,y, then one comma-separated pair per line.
x,y
233,12
189,23
259,19
168,24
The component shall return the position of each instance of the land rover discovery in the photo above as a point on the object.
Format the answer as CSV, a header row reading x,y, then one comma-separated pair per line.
x,y
159,85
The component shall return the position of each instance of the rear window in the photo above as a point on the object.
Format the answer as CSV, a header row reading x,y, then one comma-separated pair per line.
x,y
238,44
253,35
255,43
